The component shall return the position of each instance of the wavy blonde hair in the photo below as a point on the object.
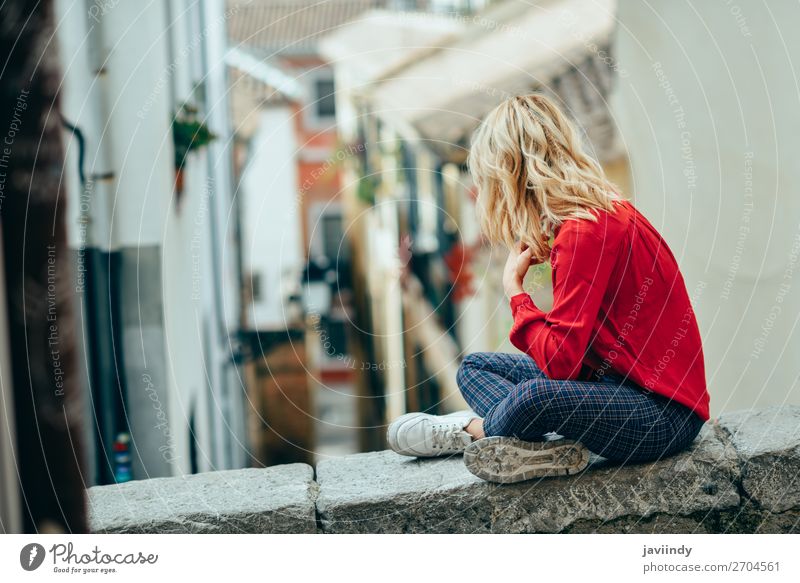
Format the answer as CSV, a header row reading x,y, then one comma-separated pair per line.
x,y
532,174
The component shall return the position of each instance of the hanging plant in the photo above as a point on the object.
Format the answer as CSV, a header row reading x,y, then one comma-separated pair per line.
x,y
366,189
189,134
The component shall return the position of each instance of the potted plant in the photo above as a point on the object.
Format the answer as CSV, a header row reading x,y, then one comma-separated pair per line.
x,y
189,134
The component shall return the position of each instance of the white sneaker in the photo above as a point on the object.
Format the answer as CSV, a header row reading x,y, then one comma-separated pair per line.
x,y
424,435
507,459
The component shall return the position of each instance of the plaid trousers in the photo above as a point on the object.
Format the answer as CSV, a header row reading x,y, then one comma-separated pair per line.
x,y
613,418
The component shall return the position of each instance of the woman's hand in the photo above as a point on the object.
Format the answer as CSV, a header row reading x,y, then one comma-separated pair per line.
x,y
517,265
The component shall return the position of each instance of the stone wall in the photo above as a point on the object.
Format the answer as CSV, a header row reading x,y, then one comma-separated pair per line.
x,y
742,475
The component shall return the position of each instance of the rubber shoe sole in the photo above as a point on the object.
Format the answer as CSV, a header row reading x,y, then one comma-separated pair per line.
x,y
507,460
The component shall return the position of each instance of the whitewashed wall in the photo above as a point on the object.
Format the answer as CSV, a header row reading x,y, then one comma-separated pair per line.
x,y
710,113
272,245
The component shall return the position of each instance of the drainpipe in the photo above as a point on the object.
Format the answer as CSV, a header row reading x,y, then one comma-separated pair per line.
x,y
227,351
10,518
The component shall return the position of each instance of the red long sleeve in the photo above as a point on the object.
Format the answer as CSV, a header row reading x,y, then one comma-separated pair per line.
x,y
619,305
582,260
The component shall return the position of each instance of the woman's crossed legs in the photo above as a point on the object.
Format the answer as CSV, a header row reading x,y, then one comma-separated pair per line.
x,y
613,419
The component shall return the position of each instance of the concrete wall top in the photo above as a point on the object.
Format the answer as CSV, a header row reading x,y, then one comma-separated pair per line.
x,y
739,476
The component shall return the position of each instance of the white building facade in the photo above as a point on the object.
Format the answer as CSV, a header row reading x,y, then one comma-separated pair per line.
x,y
158,272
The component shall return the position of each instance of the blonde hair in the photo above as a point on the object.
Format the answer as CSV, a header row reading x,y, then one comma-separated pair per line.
x,y
532,174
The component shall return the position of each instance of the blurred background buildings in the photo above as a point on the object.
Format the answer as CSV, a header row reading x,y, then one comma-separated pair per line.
x,y
272,231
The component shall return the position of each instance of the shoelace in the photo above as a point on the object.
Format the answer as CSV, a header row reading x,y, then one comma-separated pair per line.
x,y
447,437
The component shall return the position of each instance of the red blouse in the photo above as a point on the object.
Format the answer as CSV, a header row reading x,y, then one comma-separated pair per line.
x,y
620,306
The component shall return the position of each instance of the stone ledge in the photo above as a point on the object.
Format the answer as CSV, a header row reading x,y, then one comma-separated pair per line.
x,y
768,444
278,499
740,475
386,492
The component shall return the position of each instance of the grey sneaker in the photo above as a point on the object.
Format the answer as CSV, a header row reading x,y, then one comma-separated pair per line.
x,y
424,435
507,459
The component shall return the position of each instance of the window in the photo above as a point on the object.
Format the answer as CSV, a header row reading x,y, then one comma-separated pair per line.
x,y
325,98
332,237
256,287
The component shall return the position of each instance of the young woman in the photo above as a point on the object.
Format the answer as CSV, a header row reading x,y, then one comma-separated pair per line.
x,y
616,366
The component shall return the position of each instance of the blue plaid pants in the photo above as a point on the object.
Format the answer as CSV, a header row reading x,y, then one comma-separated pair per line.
x,y
613,418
